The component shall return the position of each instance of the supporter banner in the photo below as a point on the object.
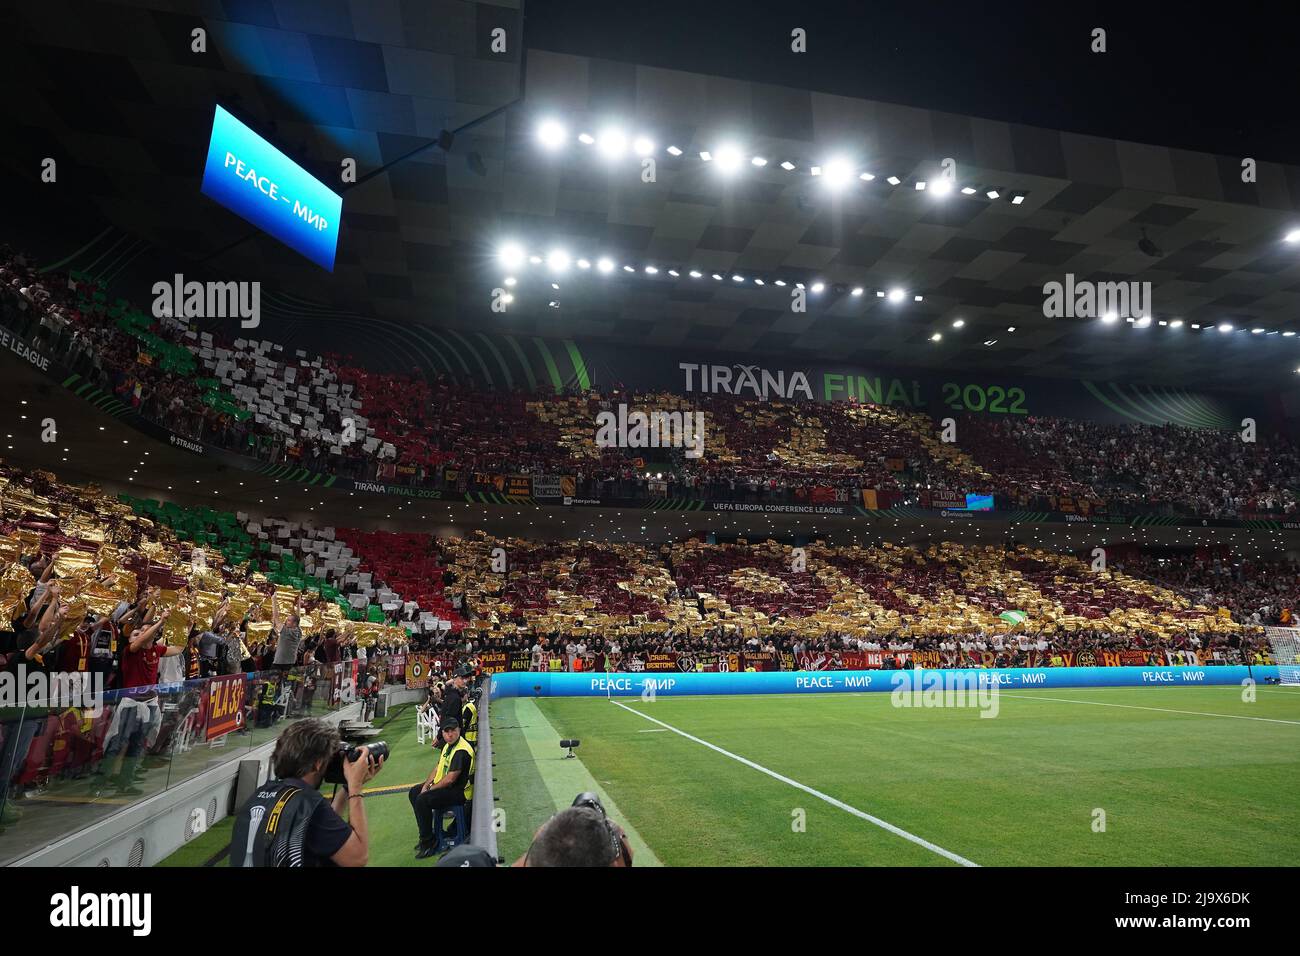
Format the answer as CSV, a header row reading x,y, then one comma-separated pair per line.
x,y
869,499
418,667
521,661
396,667
547,486
661,662
757,660
494,662
678,684
519,485
225,704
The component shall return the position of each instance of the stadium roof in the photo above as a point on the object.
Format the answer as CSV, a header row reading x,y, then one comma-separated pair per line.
x,y
117,93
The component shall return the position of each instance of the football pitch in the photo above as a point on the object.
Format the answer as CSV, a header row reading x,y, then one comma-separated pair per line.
x,y
1188,776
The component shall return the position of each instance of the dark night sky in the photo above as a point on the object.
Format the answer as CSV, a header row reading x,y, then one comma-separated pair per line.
x,y
1224,81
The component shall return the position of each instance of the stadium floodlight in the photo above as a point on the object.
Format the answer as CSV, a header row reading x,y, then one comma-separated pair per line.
x,y
717,277
857,290
837,173
507,298
1195,326
1225,326
651,271
551,134
968,190
1176,324
557,260
818,286
510,281
612,143
866,177
993,194
780,282
695,274
511,256
1109,317
787,165
938,336
918,298
584,263
758,282
893,180
1017,198
990,342
942,186
759,161
896,295
958,323
1293,235
1011,328
1145,320
706,156
555,286
643,146
1287,335
628,269
1256,331
605,264
535,260
920,185
674,273
728,159
880,293
674,151
586,139
737,278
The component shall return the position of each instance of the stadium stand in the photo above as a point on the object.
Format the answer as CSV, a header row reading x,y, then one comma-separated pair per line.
x,y
328,415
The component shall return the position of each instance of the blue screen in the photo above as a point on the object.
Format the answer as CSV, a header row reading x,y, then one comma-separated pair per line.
x,y
979,502
257,182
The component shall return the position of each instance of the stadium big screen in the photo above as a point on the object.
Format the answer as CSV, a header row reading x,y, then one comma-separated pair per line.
x,y
457,435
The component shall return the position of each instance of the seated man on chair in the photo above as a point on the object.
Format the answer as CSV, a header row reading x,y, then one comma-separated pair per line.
x,y
449,785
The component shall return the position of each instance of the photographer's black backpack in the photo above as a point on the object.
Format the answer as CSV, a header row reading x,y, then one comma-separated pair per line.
x,y
271,830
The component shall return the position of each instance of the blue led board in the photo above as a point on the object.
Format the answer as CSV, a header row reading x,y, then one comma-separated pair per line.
x,y
979,502
257,182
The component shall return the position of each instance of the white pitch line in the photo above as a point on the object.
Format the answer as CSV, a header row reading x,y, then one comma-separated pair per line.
x,y
1163,710
883,824
656,730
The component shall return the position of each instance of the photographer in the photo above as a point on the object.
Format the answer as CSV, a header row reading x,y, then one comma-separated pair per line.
x,y
287,822
580,835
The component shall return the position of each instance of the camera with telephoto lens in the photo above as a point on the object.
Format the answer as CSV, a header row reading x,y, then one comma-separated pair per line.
x,y
334,770
617,839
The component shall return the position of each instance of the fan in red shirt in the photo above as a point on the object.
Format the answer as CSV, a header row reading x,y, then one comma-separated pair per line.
x,y
142,652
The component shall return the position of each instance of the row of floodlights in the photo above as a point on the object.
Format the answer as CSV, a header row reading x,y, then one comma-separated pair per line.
x,y
613,143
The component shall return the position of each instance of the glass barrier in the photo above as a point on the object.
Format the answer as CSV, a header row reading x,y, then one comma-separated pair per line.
x,y
65,767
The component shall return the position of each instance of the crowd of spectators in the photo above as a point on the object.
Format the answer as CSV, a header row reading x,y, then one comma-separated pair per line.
x,y
435,432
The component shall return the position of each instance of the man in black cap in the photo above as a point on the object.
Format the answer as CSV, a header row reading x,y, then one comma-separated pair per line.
x,y
453,696
448,785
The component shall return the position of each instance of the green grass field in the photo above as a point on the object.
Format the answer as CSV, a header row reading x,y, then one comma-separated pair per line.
x,y
1184,776
1181,777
